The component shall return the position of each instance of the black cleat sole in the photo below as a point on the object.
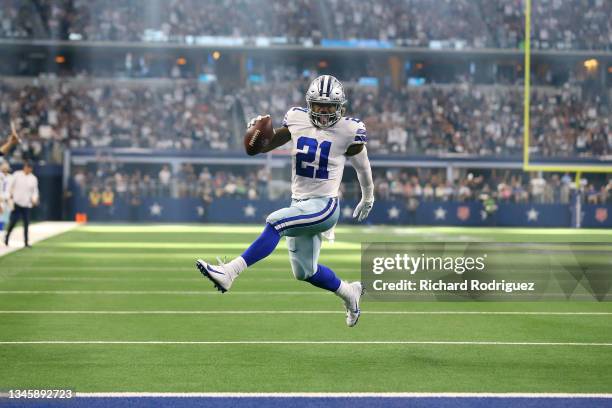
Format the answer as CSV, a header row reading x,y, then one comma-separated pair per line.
x,y
204,272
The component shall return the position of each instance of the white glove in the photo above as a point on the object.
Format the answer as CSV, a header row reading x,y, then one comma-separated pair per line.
x,y
363,209
254,120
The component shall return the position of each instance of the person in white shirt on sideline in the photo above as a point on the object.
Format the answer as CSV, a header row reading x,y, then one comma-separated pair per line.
x,y
5,202
24,192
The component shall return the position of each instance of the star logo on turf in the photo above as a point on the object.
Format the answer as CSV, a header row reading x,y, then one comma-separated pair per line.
x,y
249,211
347,212
200,210
440,213
156,209
393,212
532,215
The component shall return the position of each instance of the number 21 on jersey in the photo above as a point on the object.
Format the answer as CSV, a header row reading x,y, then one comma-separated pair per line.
x,y
305,160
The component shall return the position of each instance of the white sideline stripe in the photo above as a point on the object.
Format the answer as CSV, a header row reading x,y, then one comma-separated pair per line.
x,y
332,395
272,312
301,342
37,232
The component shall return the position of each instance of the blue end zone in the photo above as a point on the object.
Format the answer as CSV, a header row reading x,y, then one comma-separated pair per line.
x,y
316,402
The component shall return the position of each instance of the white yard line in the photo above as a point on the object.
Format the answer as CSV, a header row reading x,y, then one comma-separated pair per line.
x,y
334,395
280,312
38,232
153,292
139,279
197,293
121,279
302,342
182,268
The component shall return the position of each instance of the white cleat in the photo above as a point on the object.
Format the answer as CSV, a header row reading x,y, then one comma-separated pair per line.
x,y
220,275
352,304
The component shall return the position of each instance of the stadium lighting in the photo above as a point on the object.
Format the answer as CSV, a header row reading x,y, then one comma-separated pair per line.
x,y
591,64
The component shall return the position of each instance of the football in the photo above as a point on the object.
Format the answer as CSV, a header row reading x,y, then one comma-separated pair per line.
x,y
258,135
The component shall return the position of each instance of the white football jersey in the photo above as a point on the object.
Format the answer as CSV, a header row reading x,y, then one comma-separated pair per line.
x,y
318,153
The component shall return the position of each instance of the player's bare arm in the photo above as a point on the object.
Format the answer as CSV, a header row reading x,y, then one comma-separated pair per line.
x,y
281,136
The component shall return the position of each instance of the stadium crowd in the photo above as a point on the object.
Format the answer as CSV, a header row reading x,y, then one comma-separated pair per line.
x,y
175,117
484,121
188,181
432,120
568,24
503,186
410,186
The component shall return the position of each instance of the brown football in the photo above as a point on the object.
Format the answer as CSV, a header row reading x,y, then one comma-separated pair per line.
x,y
258,135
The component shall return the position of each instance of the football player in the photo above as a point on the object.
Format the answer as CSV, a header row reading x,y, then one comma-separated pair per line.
x,y
323,139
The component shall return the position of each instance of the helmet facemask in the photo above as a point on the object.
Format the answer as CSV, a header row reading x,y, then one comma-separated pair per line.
x,y
324,114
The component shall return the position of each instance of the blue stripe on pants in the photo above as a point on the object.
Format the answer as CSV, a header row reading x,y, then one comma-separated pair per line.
x,y
297,217
308,224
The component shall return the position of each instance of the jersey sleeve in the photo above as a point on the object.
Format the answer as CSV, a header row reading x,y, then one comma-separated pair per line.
x,y
359,134
292,114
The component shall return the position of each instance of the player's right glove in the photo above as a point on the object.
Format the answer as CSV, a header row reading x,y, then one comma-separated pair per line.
x,y
363,209
254,120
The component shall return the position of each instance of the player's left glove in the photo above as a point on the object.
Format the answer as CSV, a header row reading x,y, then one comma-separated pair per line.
x,y
363,209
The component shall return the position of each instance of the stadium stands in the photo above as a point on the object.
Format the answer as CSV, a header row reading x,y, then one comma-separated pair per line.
x,y
253,184
433,120
559,25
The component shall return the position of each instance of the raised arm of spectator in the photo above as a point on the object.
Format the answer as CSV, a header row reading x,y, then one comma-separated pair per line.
x,y
13,139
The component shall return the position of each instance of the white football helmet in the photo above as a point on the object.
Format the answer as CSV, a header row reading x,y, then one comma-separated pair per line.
x,y
326,101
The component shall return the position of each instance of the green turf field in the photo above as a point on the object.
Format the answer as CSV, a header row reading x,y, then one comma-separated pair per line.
x,y
145,275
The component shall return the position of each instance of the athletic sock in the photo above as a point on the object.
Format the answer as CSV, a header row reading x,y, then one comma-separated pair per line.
x,y
262,246
237,265
345,290
325,278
